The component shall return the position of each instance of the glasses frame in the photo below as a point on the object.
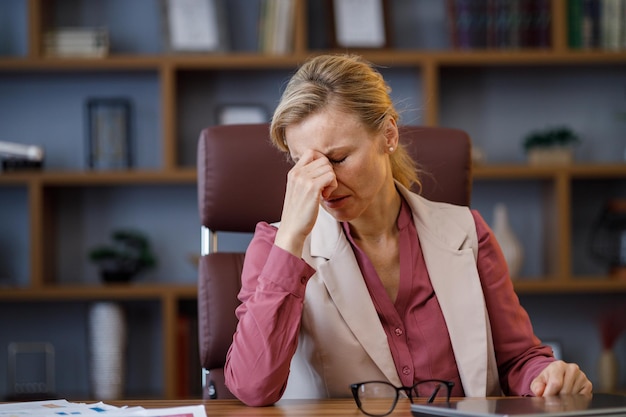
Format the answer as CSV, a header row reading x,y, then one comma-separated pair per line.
x,y
407,390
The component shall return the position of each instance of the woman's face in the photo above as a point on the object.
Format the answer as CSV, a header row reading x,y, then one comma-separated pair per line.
x,y
359,159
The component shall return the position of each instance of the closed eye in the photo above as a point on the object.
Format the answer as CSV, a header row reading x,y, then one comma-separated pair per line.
x,y
337,161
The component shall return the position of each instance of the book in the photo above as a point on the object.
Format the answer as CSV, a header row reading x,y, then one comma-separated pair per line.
x,y
21,151
611,21
276,26
87,42
500,24
574,23
590,25
541,24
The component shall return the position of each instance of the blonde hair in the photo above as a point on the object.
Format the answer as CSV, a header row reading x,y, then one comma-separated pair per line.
x,y
352,84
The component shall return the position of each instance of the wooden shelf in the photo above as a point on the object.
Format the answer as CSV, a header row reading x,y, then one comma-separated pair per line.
x,y
99,292
130,292
502,172
573,286
242,60
86,178
525,171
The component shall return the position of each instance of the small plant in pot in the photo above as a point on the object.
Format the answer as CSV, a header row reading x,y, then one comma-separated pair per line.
x,y
128,255
551,146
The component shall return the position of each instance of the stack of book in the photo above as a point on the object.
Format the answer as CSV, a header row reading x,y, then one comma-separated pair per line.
x,y
276,26
499,24
17,156
77,42
597,24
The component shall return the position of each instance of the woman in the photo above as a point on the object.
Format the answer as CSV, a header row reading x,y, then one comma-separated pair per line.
x,y
363,279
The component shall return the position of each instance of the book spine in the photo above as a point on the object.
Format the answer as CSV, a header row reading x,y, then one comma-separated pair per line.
x,y
502,21
611,24
542,24
464,24
591,24
574,23
623,25
451,15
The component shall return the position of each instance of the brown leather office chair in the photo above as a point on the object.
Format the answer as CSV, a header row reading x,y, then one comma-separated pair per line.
x,y
241,181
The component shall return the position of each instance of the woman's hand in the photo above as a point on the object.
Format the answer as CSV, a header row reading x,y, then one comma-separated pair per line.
x,y
561,378
311,179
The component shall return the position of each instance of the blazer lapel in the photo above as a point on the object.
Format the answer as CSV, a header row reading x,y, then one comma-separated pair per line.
x,y
451,265
347,288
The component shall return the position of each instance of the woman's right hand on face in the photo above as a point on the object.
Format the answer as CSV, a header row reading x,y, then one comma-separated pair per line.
x,y
310,179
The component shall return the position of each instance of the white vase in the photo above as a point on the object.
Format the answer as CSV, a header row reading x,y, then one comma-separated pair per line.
x,y
510,244
107,349
607,371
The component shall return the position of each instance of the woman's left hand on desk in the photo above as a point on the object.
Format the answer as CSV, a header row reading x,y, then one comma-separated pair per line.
x,y
561,378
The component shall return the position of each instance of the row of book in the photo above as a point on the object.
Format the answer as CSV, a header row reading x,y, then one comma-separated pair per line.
x,y
597,24
77,42
276,26
506,24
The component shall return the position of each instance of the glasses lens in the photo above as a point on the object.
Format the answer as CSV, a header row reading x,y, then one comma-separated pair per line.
x,y
377,398
431,390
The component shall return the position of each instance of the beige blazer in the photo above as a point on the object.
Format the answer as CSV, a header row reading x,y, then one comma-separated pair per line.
x,y
341,339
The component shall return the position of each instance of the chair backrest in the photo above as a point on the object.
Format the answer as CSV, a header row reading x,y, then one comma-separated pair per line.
x,y
241,181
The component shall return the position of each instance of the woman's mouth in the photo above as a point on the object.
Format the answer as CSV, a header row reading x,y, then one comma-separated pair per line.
x,y
335,202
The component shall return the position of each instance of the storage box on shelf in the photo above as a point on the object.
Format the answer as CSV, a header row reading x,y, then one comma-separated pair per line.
x,y
177,94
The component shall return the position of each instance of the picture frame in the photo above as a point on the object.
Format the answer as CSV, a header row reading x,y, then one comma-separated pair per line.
x,y
242,114
109,133
194,26
360,24
31,369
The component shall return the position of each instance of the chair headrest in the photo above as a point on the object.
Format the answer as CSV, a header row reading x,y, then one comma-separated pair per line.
x,y
242,176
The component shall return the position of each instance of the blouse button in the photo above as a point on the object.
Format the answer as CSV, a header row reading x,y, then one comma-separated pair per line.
x,y
406,370
303,280
399,331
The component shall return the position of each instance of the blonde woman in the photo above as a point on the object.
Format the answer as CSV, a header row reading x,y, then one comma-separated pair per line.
x,y
364,280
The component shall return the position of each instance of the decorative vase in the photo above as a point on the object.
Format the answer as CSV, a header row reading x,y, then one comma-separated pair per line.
x,y
607,371
107,349
510,244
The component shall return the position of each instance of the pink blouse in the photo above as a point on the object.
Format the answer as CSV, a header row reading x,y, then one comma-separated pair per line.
x,y
416,331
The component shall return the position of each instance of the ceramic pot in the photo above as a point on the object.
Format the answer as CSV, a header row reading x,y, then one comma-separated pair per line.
x,y
552,155
510,244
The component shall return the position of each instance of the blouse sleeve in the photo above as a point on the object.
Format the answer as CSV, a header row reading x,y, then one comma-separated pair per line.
x,y
273,282
519,353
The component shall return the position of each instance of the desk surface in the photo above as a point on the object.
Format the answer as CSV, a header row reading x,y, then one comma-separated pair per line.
x,y
285,408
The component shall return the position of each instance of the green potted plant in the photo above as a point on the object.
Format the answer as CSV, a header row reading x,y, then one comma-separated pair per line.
x,y
550,146
129,255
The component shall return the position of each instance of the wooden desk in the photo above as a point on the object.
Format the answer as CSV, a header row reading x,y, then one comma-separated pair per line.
x,y
285,408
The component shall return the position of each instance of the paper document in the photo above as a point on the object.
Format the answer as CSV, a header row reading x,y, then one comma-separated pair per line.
x,y
56,408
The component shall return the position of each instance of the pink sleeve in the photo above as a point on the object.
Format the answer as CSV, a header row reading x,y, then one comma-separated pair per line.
x,y
273,283
519,353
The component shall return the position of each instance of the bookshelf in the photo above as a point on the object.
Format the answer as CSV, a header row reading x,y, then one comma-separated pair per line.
x,y
54,215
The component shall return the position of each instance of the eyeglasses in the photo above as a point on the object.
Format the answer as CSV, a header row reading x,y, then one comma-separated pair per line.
x,y
379,398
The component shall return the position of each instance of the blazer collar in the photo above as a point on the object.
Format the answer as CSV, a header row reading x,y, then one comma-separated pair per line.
x,y
430,223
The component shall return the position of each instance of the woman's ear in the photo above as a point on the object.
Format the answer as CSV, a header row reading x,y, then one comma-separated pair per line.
x,y
391,134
